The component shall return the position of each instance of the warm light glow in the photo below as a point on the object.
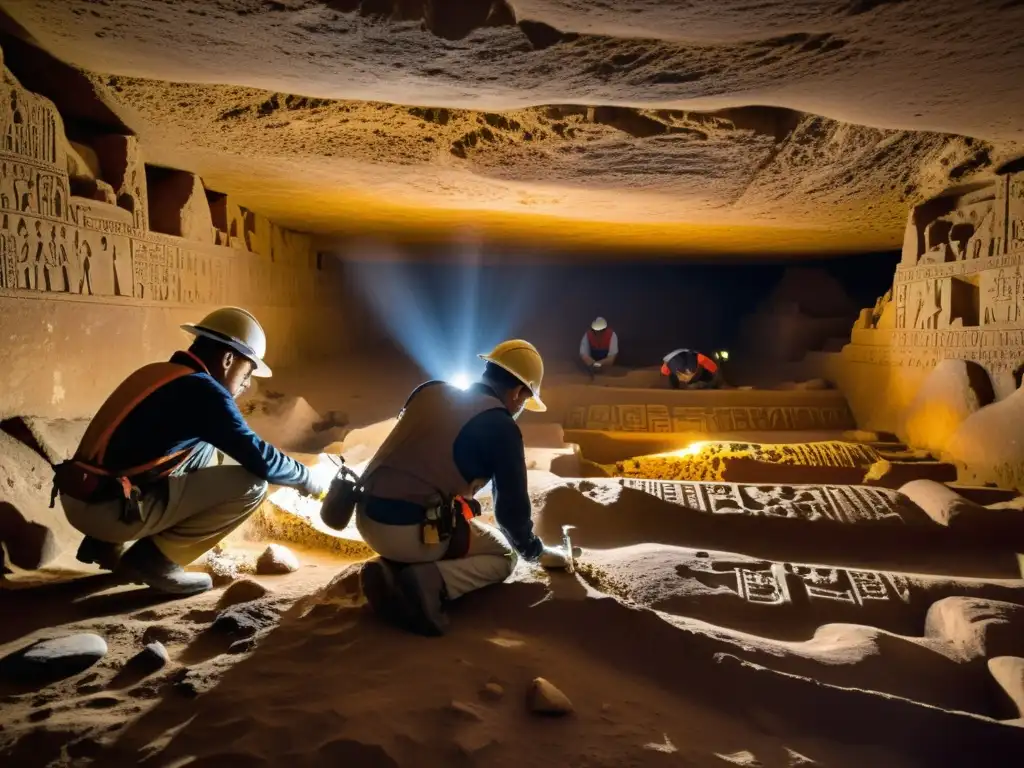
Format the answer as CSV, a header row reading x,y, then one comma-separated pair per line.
x,y
691,450
724,354
460,380
325,469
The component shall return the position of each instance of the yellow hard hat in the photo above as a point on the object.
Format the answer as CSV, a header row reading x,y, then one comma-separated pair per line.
x,y
237,329
522,360
599,324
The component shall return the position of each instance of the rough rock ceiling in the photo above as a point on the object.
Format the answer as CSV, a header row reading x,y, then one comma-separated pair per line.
x,y
725,125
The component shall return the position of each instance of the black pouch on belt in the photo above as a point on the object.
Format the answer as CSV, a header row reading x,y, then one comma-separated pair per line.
x,y
461,512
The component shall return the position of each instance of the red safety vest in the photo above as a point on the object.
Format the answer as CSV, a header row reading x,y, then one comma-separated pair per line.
x,y
600,341
82,475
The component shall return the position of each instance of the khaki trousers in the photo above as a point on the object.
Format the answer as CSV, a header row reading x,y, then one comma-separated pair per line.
x,y
489,560
202,508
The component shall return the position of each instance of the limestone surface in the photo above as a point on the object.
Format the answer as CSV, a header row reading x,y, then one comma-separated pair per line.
x,y
499,114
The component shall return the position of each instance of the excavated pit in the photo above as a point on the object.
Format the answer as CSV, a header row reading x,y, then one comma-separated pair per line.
x,y
821,562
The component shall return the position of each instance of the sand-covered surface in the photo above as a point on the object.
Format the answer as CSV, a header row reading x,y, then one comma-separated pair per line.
x,y
700,127
707,624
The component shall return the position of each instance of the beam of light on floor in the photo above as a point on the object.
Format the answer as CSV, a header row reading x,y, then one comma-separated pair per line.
x,y
443,315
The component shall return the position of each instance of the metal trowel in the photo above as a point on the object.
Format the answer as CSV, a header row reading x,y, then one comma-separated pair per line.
x,y
567,543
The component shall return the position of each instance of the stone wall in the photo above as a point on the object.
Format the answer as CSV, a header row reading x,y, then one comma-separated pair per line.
x,y
89,289
958,293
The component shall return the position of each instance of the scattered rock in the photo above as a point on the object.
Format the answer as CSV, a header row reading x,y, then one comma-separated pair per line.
x,y
741,758
544,698
276,559
161,633
796,759
242,646
222,568
243,591
492,691
54,659
244,621
665,746
40,714
151,658
467,711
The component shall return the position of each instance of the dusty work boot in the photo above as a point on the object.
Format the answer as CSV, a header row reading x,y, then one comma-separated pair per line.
x,y
425,594
105,554
144,562
379,581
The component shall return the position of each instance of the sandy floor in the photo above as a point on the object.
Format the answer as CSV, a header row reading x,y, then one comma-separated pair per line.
x,y
693,633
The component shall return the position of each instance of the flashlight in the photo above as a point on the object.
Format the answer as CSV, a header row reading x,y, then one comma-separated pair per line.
x,y
460,380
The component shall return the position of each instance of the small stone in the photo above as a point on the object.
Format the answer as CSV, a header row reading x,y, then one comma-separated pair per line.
x,y
244,621
242,646
54,659
276,560
467,711
40,714
492,691
243,591
160,633
545,699
151,658
222,568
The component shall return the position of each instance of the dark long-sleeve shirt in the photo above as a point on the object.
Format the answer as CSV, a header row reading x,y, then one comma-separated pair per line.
x,y
489,445
196,413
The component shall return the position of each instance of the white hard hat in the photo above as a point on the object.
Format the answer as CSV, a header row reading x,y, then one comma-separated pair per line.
x,y
599,324
522,360
235,328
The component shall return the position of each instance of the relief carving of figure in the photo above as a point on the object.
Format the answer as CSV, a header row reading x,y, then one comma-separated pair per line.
x,y
42,259
16,127
67,269
24,195
85,258
24,265
53,263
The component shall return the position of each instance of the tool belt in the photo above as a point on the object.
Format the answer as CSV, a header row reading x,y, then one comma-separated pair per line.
x,y
95,486
448,521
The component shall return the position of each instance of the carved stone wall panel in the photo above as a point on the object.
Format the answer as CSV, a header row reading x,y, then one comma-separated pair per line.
x,y
836,503
710,419
1015,211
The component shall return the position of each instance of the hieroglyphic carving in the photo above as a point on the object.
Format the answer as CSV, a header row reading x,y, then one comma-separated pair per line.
x,y
997,350
764,583
1002,296
836,503
665,419
52,242
1015,211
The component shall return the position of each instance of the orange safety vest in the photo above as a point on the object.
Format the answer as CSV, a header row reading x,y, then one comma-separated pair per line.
x,y
600,341
707,362
82,476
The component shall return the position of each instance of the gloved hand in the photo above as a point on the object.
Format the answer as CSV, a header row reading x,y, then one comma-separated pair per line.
x,y
315,489
557,557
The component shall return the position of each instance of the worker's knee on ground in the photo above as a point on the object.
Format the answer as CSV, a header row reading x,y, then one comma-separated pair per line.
x,y
511,560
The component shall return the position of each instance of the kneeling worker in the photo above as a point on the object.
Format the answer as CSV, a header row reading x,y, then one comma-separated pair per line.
x,y
142,471
418,504
599,346
687,369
